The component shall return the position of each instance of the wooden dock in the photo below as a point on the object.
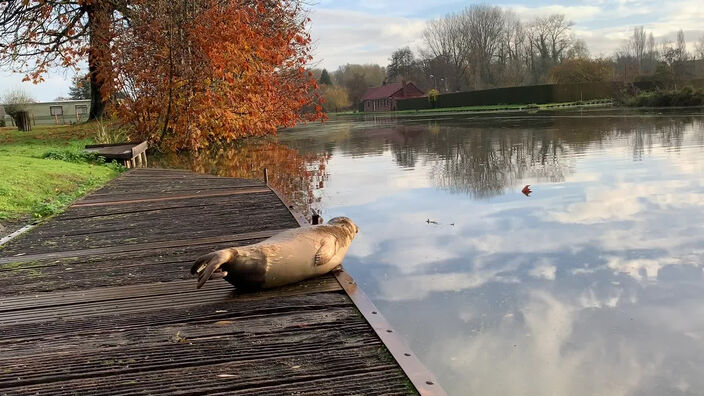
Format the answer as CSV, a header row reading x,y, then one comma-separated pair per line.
x,y
99,300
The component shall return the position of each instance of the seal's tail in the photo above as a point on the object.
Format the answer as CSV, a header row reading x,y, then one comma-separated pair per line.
x,y
208,265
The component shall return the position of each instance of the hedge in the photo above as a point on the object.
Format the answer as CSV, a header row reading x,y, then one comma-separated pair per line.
x,y
539,94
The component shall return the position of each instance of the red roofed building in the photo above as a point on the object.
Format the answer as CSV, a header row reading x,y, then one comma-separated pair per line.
x,y
384,98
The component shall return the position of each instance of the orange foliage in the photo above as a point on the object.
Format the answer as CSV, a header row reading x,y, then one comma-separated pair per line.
x,y
198,71
295,175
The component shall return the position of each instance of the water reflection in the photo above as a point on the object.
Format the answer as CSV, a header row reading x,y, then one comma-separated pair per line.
x,y
296,176
592,285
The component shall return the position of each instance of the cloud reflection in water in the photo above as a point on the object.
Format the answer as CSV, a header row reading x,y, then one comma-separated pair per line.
x,y
592,285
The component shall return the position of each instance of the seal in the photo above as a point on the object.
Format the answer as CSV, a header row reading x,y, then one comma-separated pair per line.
x,y
288,257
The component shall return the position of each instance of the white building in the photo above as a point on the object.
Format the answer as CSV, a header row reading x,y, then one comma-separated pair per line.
x,y
63,112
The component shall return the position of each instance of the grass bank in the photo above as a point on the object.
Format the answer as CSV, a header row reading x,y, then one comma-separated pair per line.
x,y
44,170
494,108
683,97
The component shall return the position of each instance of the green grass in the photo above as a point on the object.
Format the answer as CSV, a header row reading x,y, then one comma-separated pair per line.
x,y
44,170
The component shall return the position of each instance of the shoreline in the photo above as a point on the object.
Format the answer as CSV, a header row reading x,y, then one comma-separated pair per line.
x,y
545,110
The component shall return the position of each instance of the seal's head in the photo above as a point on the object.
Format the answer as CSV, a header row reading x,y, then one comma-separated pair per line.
x,y
346,224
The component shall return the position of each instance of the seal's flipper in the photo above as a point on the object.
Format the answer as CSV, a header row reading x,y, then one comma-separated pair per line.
x,y
327,251
206,265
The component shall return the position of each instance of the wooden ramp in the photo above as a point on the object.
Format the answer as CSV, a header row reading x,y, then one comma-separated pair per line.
x,y
99,300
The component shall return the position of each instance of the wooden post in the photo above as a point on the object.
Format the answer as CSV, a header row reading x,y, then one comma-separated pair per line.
x,y
266,176
127,164
138,160
144,158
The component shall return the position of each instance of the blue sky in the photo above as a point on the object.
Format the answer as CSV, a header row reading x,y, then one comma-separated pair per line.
x,y
367,31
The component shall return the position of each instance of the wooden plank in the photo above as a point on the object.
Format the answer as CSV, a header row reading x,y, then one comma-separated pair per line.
x,y
119,201
97,295
155,348
116,269
131,306
53,330
335,373
124,197
137,247
66,328
254,204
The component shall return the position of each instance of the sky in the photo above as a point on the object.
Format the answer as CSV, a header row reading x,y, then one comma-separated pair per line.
x,y
368,31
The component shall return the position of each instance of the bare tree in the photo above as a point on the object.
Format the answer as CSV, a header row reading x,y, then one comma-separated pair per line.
x,y
489,46
443,40
578,50
550,38
482,26
16,104
637,45
699,48
681,47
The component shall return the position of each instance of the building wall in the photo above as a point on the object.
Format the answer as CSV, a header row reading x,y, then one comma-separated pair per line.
x,y
65,112
390,103
411,92
372,105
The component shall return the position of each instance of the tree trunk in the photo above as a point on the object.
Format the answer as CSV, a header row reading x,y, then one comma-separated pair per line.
x,y
99,64
23,122
97,105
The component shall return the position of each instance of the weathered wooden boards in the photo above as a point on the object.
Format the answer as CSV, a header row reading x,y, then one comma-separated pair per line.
x,y
98,300
132,155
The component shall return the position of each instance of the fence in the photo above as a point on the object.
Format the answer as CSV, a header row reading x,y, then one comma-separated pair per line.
x,y
540,94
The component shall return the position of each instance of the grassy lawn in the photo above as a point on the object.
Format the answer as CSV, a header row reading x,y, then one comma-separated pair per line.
x,y
31,185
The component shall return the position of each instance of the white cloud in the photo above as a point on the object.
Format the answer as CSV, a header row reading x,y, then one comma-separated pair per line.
x,y
368,32
544,269
418,287
641,269
343,36
56,84
571,12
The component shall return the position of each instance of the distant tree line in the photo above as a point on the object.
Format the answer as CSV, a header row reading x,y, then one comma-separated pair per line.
x,y
486,46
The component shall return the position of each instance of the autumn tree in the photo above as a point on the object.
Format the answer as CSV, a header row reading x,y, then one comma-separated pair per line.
x,y
197,71
336,98
358,78
37,35
581,70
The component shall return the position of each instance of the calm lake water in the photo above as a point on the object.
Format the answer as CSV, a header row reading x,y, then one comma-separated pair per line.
x,y
592,285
